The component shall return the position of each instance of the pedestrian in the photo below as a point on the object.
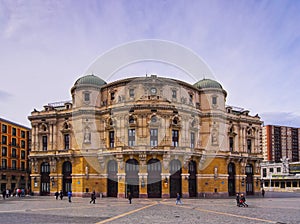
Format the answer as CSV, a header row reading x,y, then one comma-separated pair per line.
x,y
61,194
3,193
263,192
70,196
237,199
243,201
56,195
129,197
178,200
93,197
7,193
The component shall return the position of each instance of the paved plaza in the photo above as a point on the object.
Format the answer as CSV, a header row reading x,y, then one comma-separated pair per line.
x,y
39,209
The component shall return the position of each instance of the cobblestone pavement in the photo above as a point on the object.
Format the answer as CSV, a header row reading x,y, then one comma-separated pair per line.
x,y
111,210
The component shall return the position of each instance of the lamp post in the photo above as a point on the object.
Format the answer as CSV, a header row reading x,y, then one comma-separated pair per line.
x,y
270,174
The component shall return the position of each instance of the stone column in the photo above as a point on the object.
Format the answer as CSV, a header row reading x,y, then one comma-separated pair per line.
x,y
143,179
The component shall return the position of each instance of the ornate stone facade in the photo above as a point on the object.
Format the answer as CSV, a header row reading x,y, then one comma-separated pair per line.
x,y
152,136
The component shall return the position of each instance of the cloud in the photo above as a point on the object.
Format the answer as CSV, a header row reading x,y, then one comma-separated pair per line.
x,y
4,96
281,118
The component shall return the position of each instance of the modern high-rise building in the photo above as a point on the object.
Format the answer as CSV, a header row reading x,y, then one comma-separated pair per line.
x,y
15,147
151,136
280,142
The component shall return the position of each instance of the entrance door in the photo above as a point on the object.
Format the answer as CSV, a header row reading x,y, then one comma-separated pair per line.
x,y
192,179
132,177
67,177
231,179
112,179
45,179
154,178
175,178
249,180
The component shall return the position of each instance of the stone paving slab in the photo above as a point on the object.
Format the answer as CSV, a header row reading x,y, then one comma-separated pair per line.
x,y
112,210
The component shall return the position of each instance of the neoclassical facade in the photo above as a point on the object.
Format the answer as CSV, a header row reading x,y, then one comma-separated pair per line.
x,y
151,136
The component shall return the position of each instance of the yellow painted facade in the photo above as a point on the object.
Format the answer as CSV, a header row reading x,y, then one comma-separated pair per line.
x,y
151,136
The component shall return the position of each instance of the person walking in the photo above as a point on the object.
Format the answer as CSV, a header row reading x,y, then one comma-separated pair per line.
x,y
238,199
4,194
70,196
93,197
61,194
178,200
129,197
263,192
56,195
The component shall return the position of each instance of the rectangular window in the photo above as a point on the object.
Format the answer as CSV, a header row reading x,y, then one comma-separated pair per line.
x,y
192,140
271,170
153,137
264,172
191,98
174,94
67,141
4,151
4,163
14,131
112,96
22,154
294,183
22,144
4,139
231,144
131,137
111,139
278,169
22,134
45,142
13,177
14,164
13,153
4,128
86,96
3,177
22,166
175,138
214,100
131,93
14,142
249,146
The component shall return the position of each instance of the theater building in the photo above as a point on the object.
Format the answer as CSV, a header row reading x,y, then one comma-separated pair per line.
x,y
151,136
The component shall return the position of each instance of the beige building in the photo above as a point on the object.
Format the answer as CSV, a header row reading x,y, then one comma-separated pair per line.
x,y
151,136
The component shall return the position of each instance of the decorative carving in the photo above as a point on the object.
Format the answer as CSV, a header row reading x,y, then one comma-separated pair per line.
x,y
166,160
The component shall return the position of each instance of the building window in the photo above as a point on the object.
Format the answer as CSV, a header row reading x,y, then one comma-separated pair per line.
x,y
22,154
4,139
192,140
295,145
214,100
22,144
14,142
131,93
3,177
67,141
153,137
22,166
111,139
175,138
264,172
153,119
278,170
277,144
22,134
4,128
231,144
4,151
131,120
45,142
191,98
271,170
112,96
249,145
294,183
174,94
4,163
13,177
14,131
13,153
131,137
86,97
14,164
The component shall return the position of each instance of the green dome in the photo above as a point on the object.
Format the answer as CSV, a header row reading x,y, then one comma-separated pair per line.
x,y
208,84
90,80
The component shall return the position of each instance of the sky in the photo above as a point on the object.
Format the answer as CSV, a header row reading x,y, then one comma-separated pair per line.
x,y
252,47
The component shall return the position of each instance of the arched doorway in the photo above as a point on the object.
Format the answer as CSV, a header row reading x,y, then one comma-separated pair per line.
x,y
154,178
45,179
249,180
132,177
175,178
67,177
231,179
112,179
192,179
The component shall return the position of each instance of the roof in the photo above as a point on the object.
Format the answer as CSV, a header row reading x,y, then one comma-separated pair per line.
x,y
90,80
208,84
